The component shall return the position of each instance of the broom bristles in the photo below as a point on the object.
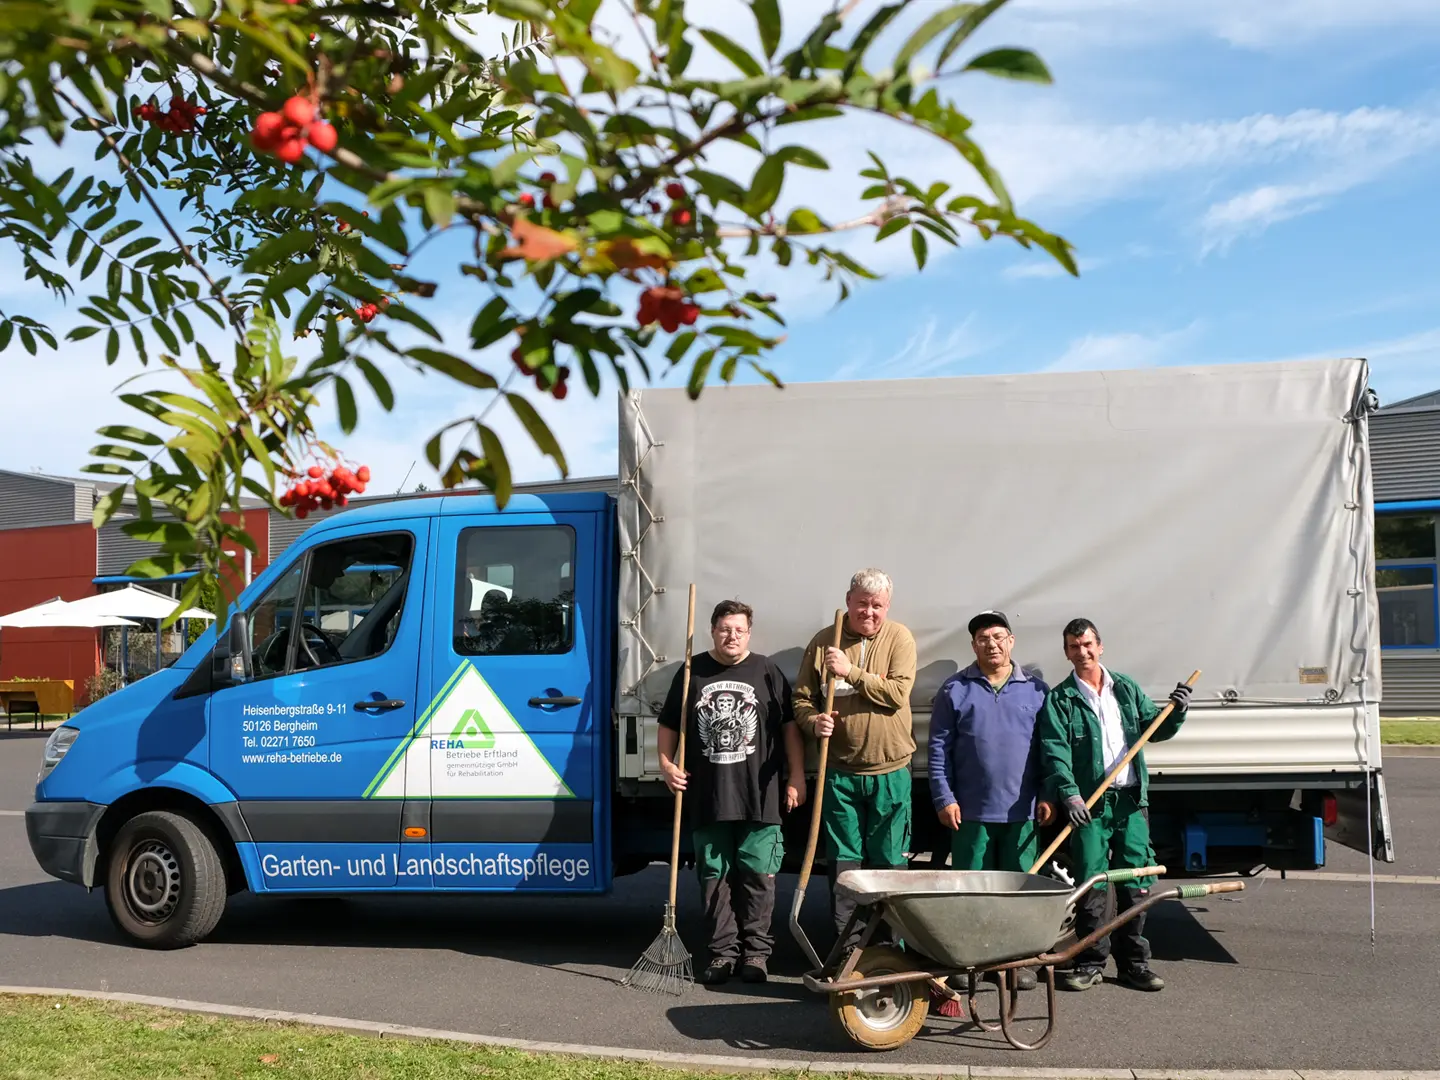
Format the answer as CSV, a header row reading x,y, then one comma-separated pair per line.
x,y
664,968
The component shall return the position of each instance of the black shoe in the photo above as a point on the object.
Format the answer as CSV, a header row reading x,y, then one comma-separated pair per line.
x,y
753,971
718,972
1078,978
1141,978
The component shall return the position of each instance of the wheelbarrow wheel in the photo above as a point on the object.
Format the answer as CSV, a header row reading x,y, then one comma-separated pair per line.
x,y
887,1017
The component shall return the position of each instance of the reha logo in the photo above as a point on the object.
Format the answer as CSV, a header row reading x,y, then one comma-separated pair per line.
x,y
470,733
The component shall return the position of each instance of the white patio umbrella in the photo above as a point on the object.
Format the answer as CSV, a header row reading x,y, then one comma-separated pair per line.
x,y
57,613
134,602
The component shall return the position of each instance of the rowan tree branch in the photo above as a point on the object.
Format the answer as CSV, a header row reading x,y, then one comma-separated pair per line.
x,y
237,322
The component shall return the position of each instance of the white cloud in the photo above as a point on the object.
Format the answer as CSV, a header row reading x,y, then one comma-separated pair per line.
x,y
927,351
1252,24
1109,352
1046,267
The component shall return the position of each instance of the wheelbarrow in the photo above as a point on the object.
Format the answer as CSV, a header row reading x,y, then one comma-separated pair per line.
x,y
964,923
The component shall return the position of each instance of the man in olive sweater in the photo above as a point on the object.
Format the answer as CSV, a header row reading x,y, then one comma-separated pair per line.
x,y
866,809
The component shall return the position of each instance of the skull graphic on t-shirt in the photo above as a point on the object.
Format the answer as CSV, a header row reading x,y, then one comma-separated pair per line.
x,y
728,713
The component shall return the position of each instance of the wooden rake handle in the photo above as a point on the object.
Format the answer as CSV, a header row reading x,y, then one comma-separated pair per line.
x,y
819,793
680,752
1114,772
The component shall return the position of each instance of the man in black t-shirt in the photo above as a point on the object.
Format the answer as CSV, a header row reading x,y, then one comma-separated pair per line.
x,y
745,760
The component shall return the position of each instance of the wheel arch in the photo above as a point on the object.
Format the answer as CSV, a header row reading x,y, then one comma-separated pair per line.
x,y
221,830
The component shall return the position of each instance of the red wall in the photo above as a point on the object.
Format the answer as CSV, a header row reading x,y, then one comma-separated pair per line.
x,y
59,560
37,565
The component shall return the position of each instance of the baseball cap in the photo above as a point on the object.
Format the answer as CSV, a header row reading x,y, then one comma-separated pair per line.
x,y
988,618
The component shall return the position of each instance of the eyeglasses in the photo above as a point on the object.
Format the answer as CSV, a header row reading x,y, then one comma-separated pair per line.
x,y
725,632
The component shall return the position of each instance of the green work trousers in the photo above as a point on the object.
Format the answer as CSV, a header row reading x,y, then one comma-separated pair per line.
x,y
737,862
1117,838
994,845
867,824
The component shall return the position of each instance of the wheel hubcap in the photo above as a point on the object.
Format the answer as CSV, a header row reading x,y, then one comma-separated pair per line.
x,y
885,1007
152,881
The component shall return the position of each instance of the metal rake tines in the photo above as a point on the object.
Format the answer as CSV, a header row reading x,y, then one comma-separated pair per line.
x,y
664,968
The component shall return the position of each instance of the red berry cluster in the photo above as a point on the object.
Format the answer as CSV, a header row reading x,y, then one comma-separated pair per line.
x,y
179,119
317,491
680,215
559,389
344,226
527,200
367,311
669,306
284,133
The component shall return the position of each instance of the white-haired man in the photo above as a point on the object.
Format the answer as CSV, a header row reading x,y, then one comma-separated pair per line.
x,y
867,797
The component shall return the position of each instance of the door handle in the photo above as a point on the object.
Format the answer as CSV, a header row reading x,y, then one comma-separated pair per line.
x,y
562,702
384,705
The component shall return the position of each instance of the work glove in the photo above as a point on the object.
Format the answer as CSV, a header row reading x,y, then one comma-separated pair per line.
x,y
1078,811
1181,697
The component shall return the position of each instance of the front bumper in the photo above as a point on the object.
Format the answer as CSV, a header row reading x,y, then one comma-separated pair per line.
x,y
62,837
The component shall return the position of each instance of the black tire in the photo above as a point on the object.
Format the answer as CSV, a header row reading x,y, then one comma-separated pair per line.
x,y
164,882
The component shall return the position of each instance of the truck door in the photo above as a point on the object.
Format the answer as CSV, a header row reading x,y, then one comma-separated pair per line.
x,y
513,740
335,642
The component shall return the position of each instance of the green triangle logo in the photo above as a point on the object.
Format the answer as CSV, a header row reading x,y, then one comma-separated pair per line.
x,y
472,726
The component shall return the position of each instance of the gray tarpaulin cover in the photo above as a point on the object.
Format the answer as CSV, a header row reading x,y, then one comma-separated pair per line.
x,y
1208,517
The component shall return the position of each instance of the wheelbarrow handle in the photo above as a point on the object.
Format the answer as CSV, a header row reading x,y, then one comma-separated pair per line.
x,y
1115,877
1194,892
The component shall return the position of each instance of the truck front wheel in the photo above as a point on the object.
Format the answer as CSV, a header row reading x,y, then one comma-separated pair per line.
x,y
165,884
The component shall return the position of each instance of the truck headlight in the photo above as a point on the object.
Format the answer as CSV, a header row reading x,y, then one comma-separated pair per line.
x,y
56,747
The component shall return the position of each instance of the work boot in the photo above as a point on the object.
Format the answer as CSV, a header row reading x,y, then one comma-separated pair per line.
x,y
718,971
1080,978
753,971
1141,978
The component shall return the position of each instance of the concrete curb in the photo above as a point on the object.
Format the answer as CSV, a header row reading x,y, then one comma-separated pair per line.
x,y
714,1062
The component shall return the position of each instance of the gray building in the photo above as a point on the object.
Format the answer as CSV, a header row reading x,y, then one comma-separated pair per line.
x,y
1405,464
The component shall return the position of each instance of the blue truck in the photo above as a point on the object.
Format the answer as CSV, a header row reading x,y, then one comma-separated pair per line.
x,y
440,695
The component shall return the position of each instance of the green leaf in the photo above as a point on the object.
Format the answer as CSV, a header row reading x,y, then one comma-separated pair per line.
x,y
131,434
488,326
765,187
80,333
699,372
928,31
802,155
378,383
1019,64
680,346
107,504
539,430
77,245
112,347
973,19
292,277
27,339
7,330
406,315
123,229
497,461
917,244
278,248
135,247
734,53
440,205
767,21
803,221
345,404
459,370
91,262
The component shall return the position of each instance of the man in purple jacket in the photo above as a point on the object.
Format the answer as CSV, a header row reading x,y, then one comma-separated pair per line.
x,y
984,775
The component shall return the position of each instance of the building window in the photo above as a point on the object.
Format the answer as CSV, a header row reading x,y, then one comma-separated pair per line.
x,y
1406,577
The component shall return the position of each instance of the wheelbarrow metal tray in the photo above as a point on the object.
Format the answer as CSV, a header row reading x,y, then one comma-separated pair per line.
x,y
965,918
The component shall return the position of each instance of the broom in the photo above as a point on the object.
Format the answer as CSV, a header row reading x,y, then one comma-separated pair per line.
x,y
664,968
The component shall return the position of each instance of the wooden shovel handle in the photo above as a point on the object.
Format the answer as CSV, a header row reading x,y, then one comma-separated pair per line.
x,y
680,752
818,795
1163,715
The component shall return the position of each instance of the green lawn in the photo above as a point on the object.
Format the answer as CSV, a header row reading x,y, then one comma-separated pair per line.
x,y
1422,732
57,1038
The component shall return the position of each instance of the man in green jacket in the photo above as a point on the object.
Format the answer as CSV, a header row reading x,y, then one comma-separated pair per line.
x,y
1087,724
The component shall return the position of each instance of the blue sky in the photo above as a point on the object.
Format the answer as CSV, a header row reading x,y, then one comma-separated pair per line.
x,y
1239,187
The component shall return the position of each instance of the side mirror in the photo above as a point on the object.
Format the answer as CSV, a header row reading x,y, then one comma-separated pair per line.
x,y
230,663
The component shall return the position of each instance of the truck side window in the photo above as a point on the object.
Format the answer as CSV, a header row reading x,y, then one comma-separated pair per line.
x,y
354,596
270,622
515,591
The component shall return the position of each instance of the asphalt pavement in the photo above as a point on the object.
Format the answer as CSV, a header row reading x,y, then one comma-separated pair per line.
x,y
1282,975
